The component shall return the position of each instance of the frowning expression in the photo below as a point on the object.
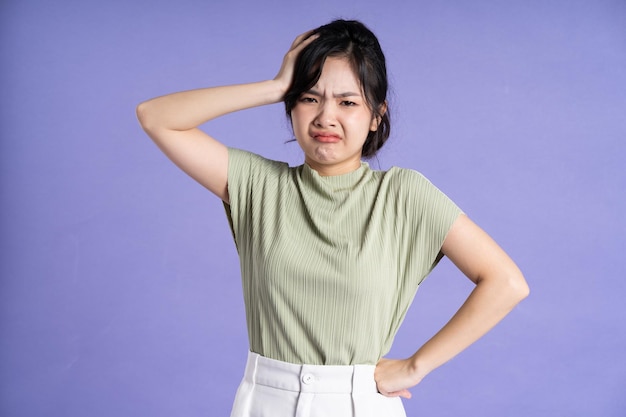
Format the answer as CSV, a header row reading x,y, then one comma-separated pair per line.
x,y
331,121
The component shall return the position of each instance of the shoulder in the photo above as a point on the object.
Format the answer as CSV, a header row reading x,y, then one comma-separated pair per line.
x,y
241,162
252,177
407,180
241,156
415,190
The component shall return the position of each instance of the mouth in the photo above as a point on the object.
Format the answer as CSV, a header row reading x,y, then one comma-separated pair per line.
x,y
326,137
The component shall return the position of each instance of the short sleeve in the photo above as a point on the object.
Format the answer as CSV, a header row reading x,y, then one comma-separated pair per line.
x,y
247,174
429,215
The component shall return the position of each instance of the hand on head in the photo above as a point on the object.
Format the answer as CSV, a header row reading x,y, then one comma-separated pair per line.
x,y
285,74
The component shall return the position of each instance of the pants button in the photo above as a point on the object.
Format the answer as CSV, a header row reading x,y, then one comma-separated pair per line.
x,y
307,379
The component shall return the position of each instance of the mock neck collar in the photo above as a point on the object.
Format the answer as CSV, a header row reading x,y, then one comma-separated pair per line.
x,y
334,183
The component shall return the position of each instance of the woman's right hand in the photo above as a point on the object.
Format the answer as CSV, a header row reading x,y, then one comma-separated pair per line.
x,y
172,121
285,74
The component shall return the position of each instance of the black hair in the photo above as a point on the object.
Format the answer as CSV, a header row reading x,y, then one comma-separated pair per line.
x,y
352,40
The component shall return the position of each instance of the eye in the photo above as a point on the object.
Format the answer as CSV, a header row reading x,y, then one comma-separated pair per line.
x,y
307,99
348,103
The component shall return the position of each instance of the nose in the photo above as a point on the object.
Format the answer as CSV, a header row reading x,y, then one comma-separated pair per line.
x,y
326,115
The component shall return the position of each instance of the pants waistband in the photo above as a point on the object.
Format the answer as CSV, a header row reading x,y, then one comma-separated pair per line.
x,y
355,379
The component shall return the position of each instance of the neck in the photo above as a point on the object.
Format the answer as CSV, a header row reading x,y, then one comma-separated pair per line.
x,y
335,169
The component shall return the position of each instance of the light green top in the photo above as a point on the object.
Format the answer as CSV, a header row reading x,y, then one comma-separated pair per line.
x,y
330,265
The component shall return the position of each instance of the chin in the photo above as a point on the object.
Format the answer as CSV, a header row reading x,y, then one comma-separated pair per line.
x,y
324,157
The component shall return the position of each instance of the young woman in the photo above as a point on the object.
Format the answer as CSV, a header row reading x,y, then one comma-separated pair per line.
x,y
332,252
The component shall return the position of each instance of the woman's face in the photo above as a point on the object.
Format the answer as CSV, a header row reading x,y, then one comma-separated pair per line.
x,y
332,120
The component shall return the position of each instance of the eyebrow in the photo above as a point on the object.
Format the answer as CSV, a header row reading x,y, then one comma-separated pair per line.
x,y
314,92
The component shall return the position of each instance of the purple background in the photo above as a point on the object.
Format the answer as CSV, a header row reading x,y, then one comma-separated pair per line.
x,y
120,292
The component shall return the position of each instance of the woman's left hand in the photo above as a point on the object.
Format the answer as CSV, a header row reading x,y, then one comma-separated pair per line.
x,y
394,377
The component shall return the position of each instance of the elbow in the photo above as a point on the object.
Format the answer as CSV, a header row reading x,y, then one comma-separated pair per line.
x,y
147,117
517,287
143,114
509,286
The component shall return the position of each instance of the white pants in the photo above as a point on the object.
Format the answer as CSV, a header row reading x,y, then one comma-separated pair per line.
x,y
272,388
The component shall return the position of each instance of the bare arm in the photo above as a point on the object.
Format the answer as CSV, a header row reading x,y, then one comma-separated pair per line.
x,y
499,287
172,121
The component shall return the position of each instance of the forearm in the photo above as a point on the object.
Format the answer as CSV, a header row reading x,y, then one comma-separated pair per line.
x,y
172,121
489,303
189,109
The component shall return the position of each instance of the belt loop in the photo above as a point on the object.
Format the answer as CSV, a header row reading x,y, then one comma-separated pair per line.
x,y
362,380
357,391
252,366
255,368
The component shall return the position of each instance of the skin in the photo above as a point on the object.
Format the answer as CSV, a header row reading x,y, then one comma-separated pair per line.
x,y
500,286
331,123
332,120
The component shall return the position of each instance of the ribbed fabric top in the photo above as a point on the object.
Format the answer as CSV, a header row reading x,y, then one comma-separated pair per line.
x,y
330,265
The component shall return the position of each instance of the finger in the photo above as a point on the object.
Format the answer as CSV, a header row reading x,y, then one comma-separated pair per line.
x,y
304,39
303,36
405,393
